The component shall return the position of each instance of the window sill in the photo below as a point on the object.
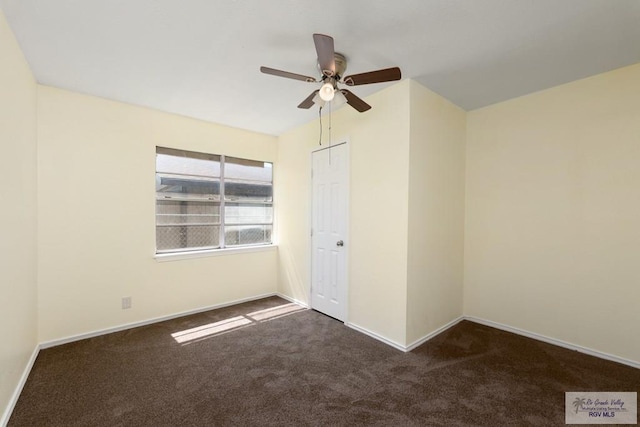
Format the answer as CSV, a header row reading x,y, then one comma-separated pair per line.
x,y
176,256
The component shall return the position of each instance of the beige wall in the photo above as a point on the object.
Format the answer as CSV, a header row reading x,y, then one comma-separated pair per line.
x,y
96,217
18,298
379,164
553,213
406,211
436,213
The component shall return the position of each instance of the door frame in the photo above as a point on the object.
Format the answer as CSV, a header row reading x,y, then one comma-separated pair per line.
x,y
346,143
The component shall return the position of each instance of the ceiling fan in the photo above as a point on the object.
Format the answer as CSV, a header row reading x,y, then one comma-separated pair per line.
x,y
332,66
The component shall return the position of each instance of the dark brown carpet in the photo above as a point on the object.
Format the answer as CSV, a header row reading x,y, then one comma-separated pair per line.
x,y
306,369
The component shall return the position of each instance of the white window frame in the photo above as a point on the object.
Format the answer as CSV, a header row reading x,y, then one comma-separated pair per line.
x,y
222,249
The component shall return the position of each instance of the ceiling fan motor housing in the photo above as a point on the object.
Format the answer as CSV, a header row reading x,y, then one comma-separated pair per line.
x,y
340,62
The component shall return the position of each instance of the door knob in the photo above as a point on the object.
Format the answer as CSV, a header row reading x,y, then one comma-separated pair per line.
x,y
340,243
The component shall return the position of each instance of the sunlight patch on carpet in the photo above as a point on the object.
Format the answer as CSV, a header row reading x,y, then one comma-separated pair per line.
x,y
217,328
210,329
273,312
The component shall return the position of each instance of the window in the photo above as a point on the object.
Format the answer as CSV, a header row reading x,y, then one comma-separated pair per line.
x,y
208,201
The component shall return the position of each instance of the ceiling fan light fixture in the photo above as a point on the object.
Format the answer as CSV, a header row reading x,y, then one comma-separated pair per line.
x,y
318,101
327,92
339,100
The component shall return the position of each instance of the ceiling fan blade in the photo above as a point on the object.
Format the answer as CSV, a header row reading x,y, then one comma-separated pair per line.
x,y
308,102
287,74
324,48
378,76
355,101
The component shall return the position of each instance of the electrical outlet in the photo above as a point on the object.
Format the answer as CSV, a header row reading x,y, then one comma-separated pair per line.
x,y
126,302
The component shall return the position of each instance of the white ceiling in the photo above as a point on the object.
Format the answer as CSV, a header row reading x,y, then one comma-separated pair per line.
x,y
201,58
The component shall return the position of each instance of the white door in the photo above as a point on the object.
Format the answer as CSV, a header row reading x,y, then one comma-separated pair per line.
x,y
329,231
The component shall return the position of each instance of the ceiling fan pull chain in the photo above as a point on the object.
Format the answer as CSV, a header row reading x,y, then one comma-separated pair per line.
x,y
320,118
330,111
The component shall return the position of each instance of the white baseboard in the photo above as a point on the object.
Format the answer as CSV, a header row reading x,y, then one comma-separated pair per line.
x,y
16,393
430,335
405,348
517,331
126,326
376,336
554,341
293,300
